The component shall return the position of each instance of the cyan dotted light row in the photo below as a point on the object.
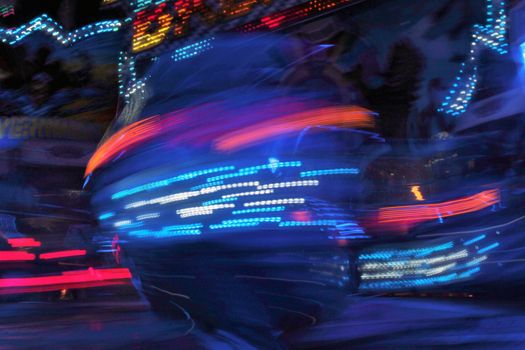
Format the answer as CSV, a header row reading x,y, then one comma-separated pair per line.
x,y
139,5
167,182
309,223
254,170
388,254
259,210
107,215
474,240
263,219
418,282
338,171
192,50
490,247
249,222
164,233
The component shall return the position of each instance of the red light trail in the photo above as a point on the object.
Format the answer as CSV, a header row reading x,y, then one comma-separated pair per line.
x,y
424,212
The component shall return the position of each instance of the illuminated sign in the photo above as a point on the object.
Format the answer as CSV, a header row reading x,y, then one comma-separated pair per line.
x,y
47,128
156,23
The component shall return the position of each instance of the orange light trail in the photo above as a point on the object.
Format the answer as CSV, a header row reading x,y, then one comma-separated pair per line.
x,y
349,117
418,213
128,137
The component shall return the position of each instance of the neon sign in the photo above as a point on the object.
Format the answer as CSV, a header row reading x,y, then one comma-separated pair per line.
x,y
174,19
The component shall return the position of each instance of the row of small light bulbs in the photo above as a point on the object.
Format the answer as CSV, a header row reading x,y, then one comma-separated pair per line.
x,y
49,26
491,35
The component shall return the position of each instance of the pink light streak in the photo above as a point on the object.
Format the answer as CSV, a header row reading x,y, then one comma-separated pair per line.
x,y
68,278
62,254
16,256
23,242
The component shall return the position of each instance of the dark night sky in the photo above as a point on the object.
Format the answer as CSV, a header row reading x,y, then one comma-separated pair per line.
x,y
69,13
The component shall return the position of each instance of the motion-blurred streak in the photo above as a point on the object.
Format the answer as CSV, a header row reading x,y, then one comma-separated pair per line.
x,y
350,117
410,215
280,118
68,279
